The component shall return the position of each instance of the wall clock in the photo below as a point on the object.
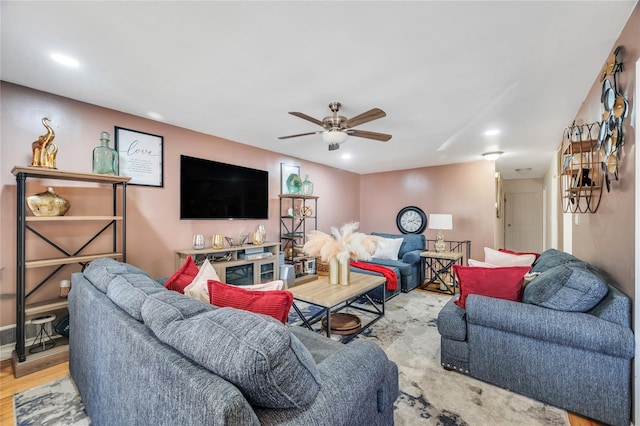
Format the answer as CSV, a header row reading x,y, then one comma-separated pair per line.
x,y
411,220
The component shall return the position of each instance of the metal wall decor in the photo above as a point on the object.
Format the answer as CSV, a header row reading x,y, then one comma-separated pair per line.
x,y
581,172
591,152
616,109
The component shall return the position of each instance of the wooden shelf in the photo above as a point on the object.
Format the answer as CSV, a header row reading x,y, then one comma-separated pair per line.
x,y
304,197
38,361
70,218
68,260
45,306
44,173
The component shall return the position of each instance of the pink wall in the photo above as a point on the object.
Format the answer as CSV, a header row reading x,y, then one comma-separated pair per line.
x,y
464,190
607,237
154,228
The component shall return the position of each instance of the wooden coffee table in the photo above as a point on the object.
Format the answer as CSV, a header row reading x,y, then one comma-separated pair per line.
x,y
336,297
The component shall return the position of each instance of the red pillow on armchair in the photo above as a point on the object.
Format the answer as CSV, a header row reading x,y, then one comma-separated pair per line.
x,y
500,282
275,303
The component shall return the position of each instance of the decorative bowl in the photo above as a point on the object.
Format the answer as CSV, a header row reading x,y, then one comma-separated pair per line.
x,y
237,241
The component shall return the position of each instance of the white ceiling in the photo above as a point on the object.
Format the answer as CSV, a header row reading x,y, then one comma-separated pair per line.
x,y
444,72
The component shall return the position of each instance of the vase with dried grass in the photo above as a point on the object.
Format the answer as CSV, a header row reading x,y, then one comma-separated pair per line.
x,y
339,247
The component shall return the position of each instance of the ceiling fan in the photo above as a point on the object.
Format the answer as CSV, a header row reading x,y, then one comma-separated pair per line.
x,y
337,128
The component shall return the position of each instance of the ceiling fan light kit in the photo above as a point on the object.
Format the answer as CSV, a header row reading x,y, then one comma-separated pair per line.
x,y
337,128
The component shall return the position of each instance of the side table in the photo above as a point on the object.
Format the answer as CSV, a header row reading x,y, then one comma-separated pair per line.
x,y
438,269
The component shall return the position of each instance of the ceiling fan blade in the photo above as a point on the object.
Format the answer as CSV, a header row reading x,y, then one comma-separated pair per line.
x,y
382,137
308,118
300,134
365,117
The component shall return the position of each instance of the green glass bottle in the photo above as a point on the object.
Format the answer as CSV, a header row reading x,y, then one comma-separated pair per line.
x,y
105,158
307,186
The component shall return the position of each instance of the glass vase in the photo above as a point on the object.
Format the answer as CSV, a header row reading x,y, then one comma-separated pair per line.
x,y
307,186
105,158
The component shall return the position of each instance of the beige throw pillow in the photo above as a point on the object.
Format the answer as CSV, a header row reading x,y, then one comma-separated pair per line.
x,y
198,287
500,258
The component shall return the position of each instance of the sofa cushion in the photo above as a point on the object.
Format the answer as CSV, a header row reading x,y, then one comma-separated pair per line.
x,y
499,282
404,268
183,276
551,258
388,248
102,271
256,353
275,303
129,292
573,287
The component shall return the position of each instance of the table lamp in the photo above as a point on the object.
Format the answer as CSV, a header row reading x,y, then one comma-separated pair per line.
x,y
440,222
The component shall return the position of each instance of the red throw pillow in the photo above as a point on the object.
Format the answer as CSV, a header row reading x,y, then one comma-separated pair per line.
x,y
519,253
183,276
501,282
275,303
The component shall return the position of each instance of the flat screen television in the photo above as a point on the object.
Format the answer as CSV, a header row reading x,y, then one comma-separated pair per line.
x,y
214,190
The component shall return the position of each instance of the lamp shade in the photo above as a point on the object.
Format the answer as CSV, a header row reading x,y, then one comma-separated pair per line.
x,y
334,136
440,221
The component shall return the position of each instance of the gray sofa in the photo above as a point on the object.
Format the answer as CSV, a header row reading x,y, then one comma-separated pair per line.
x,y
568,343
141,354
409,264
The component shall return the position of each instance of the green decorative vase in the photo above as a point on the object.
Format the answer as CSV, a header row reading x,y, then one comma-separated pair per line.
x,y
105,158
294,183
307,186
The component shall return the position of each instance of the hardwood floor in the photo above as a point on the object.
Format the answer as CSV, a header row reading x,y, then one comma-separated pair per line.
x,y
9,385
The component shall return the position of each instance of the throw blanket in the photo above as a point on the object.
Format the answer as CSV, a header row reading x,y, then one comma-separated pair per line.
x,y
392,280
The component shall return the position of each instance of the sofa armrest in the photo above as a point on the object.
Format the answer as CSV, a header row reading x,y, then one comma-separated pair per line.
x,y
575,329
357,381
412,257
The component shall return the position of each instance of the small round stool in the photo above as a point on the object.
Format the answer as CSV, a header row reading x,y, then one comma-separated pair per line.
x,y
40,343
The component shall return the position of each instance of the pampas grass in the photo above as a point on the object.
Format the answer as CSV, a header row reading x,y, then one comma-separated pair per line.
x,y
342,244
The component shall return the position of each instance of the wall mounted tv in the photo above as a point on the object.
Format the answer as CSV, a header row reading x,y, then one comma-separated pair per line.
x,y
213,190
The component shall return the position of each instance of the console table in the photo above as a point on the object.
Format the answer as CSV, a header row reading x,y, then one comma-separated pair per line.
x,y
438,268
232,268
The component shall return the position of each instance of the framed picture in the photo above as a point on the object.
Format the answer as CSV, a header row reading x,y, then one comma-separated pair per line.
x,y
140,156
285,171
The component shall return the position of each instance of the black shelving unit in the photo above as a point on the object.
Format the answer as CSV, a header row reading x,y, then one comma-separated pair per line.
x,y
298,215
22,362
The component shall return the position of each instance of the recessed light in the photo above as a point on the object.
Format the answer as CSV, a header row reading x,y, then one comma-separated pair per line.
x,y
346,156
523,170
65,60
155,116
492,132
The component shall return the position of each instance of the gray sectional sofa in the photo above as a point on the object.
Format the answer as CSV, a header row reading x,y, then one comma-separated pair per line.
x,y
141,354
569,343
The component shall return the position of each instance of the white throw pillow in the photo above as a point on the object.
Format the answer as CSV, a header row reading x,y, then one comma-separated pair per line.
x,y
477,263
198,288
388,248
272,285
500,258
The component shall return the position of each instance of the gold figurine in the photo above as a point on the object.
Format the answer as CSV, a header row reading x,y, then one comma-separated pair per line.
x,y
44,150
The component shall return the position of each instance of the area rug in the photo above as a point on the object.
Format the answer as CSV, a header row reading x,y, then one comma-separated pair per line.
x,y
55,403
429,395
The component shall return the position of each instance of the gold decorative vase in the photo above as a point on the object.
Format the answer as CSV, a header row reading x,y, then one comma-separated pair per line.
x,y
334,271
47,203
344,272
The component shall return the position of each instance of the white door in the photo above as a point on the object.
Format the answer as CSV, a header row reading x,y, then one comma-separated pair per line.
x,y
523,221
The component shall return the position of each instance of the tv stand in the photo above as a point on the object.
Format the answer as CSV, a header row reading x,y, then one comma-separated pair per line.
x,y
232,268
